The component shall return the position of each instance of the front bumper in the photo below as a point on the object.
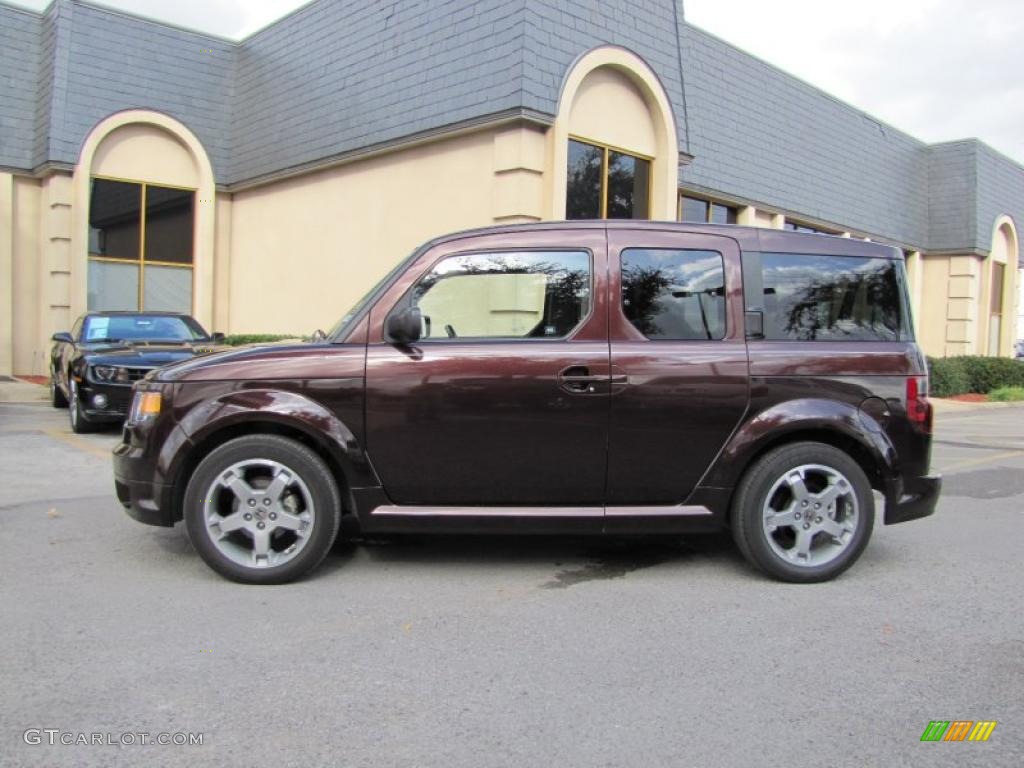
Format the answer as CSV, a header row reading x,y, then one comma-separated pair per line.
x,y
118,400
913,499
144,499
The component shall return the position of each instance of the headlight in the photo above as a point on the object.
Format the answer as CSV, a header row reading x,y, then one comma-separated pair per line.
x,y
104,372
145,407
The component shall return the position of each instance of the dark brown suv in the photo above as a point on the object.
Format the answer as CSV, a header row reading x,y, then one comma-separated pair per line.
x,y
595,377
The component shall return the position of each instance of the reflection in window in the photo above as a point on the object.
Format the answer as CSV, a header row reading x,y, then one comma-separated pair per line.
x,y
834,298
679,295
140,246
532,294
606,183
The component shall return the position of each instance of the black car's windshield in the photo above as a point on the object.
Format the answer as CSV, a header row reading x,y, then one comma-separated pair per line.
x,y
141,327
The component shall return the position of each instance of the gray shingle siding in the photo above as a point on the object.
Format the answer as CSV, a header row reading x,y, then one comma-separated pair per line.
x,y
760,134
19,75
338,76
341,75
558,33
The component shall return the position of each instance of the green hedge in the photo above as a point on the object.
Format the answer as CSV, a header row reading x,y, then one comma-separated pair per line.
x,y
240,339
959,375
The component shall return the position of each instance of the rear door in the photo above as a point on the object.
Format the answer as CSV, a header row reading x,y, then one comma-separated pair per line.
x,y
679,361
504,400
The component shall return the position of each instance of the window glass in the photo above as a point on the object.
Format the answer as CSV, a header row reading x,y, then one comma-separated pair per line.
x,y
114,219
505,295
694,210
834,298
670,294
628,184
113,285
998,276
142,328
583,188
722,214
168,224
167,289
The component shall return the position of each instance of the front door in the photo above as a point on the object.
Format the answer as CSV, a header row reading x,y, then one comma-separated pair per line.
x,y
678,347
504,400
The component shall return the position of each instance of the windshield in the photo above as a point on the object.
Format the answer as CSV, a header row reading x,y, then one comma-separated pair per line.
x,y
142,327
342,327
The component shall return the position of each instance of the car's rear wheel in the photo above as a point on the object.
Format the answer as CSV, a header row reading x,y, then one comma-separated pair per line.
x,y
262,509
803,513
80,423
57,399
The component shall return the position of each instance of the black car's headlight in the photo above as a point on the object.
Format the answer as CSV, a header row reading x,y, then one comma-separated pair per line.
x,y
145,407
104,372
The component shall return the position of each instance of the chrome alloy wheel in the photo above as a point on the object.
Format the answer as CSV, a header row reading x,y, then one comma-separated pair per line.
x,y
259,513
810,515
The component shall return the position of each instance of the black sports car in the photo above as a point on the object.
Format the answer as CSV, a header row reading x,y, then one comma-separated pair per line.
x,y
93,367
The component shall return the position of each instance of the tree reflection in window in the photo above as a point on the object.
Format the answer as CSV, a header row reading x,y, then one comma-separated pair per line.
x,y
674,294
834,298
505,295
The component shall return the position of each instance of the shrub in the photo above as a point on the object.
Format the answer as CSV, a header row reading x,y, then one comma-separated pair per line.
x,y
948,376
1006,394
959,375
240,339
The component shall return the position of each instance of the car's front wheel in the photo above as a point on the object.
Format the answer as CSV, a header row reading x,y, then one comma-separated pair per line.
x,y
262,509
803,513
80,423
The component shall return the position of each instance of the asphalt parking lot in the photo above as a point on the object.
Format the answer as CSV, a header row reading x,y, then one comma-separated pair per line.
x,y
507,652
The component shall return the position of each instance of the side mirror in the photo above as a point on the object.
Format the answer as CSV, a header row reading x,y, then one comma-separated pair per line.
x,y
63,336
405,326
217,336
754,321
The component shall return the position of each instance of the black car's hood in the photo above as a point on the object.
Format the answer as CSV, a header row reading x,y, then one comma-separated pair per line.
x,y
144,354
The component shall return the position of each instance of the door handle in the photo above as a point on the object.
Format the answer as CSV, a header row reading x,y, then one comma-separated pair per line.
x,y
578,380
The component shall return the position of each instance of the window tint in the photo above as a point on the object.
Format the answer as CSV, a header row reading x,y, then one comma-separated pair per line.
x,y
583,187
668,294
833,298
536,294
628,182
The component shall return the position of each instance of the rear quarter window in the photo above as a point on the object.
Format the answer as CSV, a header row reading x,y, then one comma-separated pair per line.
x,y
833,298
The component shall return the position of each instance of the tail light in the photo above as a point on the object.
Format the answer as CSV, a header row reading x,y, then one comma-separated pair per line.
x,y
919,410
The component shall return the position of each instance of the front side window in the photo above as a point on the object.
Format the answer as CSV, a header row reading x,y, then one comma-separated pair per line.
x,y
604,183
673,294
834,298
140,246
522,295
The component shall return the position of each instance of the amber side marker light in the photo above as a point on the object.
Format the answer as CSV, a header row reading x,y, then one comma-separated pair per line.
x,y
145,407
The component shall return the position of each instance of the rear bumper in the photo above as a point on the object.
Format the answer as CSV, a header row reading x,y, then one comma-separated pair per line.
x,y
912,500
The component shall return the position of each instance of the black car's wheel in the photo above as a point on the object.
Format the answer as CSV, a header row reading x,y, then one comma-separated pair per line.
x,y
80,423
803,513
262,509
57,399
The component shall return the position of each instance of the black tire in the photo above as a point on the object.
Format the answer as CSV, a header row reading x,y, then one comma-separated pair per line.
x,y
57,398
80,423
751,496
304,463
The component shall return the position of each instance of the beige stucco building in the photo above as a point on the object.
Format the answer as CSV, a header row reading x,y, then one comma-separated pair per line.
x,y
265,185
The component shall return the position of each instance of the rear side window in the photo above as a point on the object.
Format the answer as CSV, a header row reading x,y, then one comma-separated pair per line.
x,y
674,295
833,298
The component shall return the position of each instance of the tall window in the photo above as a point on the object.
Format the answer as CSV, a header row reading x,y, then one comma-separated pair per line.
x,y
700,211
995,320
140,246
605,183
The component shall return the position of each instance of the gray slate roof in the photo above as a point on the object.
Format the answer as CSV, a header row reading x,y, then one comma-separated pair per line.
x,y
338,76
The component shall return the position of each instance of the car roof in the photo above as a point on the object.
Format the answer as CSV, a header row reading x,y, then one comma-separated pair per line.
x,y
748,238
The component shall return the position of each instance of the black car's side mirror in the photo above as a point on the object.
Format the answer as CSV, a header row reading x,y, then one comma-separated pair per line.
x,y
217,336
405,326
63,336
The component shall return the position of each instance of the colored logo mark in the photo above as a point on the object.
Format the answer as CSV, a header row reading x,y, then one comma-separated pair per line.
x,y
958,730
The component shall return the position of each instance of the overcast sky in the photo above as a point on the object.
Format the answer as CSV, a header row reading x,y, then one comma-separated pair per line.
x,y
938,69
